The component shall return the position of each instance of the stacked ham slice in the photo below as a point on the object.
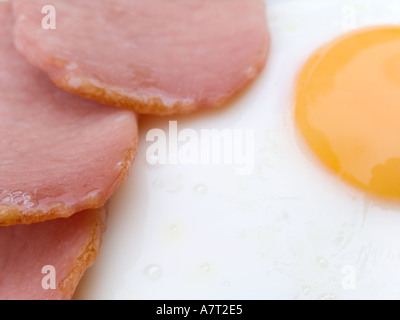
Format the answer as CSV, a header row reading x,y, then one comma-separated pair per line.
x,y
151,56
59,155
62,156
28,254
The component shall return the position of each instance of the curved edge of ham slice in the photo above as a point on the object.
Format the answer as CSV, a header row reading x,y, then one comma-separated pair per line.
x,y
217,76
14,214
129,99
69,245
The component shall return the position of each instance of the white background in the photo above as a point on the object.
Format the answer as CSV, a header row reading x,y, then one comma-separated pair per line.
x,y
284,232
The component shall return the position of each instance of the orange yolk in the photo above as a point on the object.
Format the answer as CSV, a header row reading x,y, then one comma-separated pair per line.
x,y
348,108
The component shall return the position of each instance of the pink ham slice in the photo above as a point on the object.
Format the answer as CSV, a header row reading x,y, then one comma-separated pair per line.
x,y
46,260
151,56
59,153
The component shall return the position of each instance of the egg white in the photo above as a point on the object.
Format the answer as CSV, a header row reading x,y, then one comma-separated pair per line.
x,y
289,230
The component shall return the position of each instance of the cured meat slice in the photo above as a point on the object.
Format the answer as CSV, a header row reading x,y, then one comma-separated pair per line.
x,y
59,153
45,261
151,56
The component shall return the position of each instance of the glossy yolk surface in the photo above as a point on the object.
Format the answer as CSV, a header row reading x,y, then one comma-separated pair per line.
x,y
348,108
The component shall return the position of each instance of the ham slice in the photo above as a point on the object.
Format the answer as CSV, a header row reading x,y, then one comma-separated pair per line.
x,y
45,261
59,153
151,56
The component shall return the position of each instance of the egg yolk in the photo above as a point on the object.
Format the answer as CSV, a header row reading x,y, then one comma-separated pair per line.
x,y
348,108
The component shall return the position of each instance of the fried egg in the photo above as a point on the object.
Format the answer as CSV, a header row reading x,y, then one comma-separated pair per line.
x,y
348,108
